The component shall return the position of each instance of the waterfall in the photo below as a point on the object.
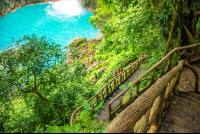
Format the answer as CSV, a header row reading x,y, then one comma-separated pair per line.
x,y
68,7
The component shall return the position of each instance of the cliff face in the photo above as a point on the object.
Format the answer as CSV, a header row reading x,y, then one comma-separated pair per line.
x,y
89,4
7,6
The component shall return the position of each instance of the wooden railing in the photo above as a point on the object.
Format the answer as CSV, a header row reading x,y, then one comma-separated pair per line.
x,y
144,81
115,69
146,112
109,88
97,65
99,72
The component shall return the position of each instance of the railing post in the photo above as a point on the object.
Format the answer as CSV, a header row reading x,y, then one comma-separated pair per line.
x,y
107,91
120,77
137,89
109,112
97,98
102,94
114,83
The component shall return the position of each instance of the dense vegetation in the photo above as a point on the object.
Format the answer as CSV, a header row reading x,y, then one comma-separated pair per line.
x,y
39,91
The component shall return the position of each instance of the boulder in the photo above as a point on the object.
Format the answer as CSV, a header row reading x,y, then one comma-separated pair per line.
x,y
7,2
2,5
77,41
7,9
22,2
12,4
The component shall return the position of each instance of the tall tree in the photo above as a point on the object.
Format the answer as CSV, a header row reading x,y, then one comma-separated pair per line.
x,y
177,20
25,65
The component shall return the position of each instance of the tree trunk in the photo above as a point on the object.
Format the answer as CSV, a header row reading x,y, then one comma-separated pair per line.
x,y
190,23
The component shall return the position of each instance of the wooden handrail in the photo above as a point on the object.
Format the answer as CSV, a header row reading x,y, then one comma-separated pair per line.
x,y
92,67
145,109
125,61
108,88
148,110
154,69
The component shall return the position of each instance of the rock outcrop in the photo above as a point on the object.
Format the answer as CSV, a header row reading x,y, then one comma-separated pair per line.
x,y
82,49
7,6
89,4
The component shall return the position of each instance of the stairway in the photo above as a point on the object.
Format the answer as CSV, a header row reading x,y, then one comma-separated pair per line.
x,y
183,115
103,115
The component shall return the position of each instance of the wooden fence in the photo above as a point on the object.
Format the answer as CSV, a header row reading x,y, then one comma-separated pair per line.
x,y
149,106
109,88
97,65
125,62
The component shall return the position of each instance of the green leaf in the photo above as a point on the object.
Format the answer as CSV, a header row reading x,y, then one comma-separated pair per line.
x,y
130,84
92,102
86,105
100,105
134,91
95,115
77,127
123,86
54,129
67,129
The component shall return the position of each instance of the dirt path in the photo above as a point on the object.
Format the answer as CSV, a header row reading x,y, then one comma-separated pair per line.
x,y
183,115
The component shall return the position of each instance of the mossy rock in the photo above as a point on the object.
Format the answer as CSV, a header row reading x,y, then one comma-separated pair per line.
x,y
77,42
36,1
6,2
2,5
22,2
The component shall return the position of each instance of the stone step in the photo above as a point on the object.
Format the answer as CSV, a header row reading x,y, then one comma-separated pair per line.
x,y
110,98
104,119
185,114
107,101
114,94
187,100
103,113
182,123
194,97
185,110
174,129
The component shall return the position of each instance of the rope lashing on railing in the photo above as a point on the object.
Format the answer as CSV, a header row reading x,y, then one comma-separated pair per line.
x,y
171,58
148,109
142,102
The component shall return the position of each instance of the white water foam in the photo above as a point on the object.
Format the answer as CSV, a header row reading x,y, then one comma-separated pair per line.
x,y
67,7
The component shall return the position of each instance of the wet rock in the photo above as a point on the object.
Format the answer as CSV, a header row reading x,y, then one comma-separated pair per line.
x,y
12,4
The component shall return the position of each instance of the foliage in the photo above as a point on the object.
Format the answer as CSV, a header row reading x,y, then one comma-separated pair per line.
x,y
85,123
177,20
197,36
39,91
33,71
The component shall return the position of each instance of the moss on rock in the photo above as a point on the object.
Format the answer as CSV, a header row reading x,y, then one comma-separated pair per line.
x,y
6,2
76,42
2,5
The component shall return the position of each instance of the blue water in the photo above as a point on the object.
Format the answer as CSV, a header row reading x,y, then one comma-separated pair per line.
x,y
45,20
